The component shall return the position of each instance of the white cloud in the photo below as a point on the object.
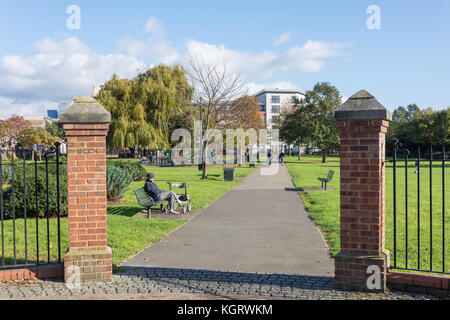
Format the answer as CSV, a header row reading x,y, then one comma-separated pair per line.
x,y
214,54
58,71
282,39
307,58
256,87
26,108
310,57
155,27
154,50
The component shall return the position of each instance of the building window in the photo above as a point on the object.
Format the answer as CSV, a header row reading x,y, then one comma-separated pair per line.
x,y
294,100
263,119
276,109
275,119
262,108
275,99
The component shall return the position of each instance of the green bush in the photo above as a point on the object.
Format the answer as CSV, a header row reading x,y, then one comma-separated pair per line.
x,y
30,191
117,182
136,170
6,174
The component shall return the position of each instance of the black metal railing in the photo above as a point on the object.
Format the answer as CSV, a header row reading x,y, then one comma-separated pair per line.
x,y
23,186
412,217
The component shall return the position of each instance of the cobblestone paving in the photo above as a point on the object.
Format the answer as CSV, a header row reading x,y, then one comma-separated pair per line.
x,y
218,283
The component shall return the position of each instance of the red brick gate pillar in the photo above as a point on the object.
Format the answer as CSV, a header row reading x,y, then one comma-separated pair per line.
x,y
362,263
86,125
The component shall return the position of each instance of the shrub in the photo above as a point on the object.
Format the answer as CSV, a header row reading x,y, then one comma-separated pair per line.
x,y
30,191
6,174
136,170
117,182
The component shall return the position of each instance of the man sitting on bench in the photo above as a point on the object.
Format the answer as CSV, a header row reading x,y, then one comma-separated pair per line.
x,y
160,195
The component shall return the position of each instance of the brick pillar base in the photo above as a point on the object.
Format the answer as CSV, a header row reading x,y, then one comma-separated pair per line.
x,y
351,271
95,265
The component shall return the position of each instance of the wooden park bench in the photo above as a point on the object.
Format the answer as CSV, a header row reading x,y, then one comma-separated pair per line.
x,y
326,179
147,202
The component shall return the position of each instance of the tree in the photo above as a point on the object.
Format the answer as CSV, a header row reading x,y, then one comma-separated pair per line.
x,y
243,113
321,103
415,127
431,128
143,108
12,130
37,135
401,126
214,89
294,127
313,122
287,130
55,129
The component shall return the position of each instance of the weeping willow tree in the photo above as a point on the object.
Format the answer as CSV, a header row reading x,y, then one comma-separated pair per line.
x,y
143,108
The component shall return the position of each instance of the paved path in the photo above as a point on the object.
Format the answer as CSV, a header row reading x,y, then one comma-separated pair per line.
x,y
260,226
158,283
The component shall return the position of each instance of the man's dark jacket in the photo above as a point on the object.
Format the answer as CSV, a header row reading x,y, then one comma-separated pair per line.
x,y
152,189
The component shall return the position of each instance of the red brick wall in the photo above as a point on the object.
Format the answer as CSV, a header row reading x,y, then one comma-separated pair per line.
x,y
362,201
88,252
34,273
362,185
424,283
86,163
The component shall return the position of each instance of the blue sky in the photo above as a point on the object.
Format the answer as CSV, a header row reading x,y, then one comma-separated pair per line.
x,y
275,44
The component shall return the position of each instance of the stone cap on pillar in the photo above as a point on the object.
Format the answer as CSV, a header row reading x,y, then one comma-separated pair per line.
x,y
362,105
85,109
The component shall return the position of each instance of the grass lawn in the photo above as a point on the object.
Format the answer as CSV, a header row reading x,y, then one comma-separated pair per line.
x,y
324,209
127,234
202,192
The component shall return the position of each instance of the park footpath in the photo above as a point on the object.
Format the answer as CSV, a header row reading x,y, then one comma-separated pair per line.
x,y
256,242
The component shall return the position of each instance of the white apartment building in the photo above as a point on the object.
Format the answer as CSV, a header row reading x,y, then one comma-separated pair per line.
x,y
272,101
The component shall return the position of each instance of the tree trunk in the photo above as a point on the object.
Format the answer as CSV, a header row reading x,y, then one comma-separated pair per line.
x,y
324,159
299,156
290,154
204,174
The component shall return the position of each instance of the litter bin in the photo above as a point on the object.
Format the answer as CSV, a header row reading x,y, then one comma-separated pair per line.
x,y
164,162
228,174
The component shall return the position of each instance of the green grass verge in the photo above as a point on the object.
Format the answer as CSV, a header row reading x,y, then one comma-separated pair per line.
x,y
127,236
324,209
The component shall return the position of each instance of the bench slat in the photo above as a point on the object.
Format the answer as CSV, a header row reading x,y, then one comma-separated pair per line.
x,y
143,198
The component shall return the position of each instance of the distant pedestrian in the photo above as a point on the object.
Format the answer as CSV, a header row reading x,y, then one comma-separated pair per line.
x,y
269,157
281,157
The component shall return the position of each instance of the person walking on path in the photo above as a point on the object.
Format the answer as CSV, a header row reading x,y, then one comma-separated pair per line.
x,y
281,157
269,157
